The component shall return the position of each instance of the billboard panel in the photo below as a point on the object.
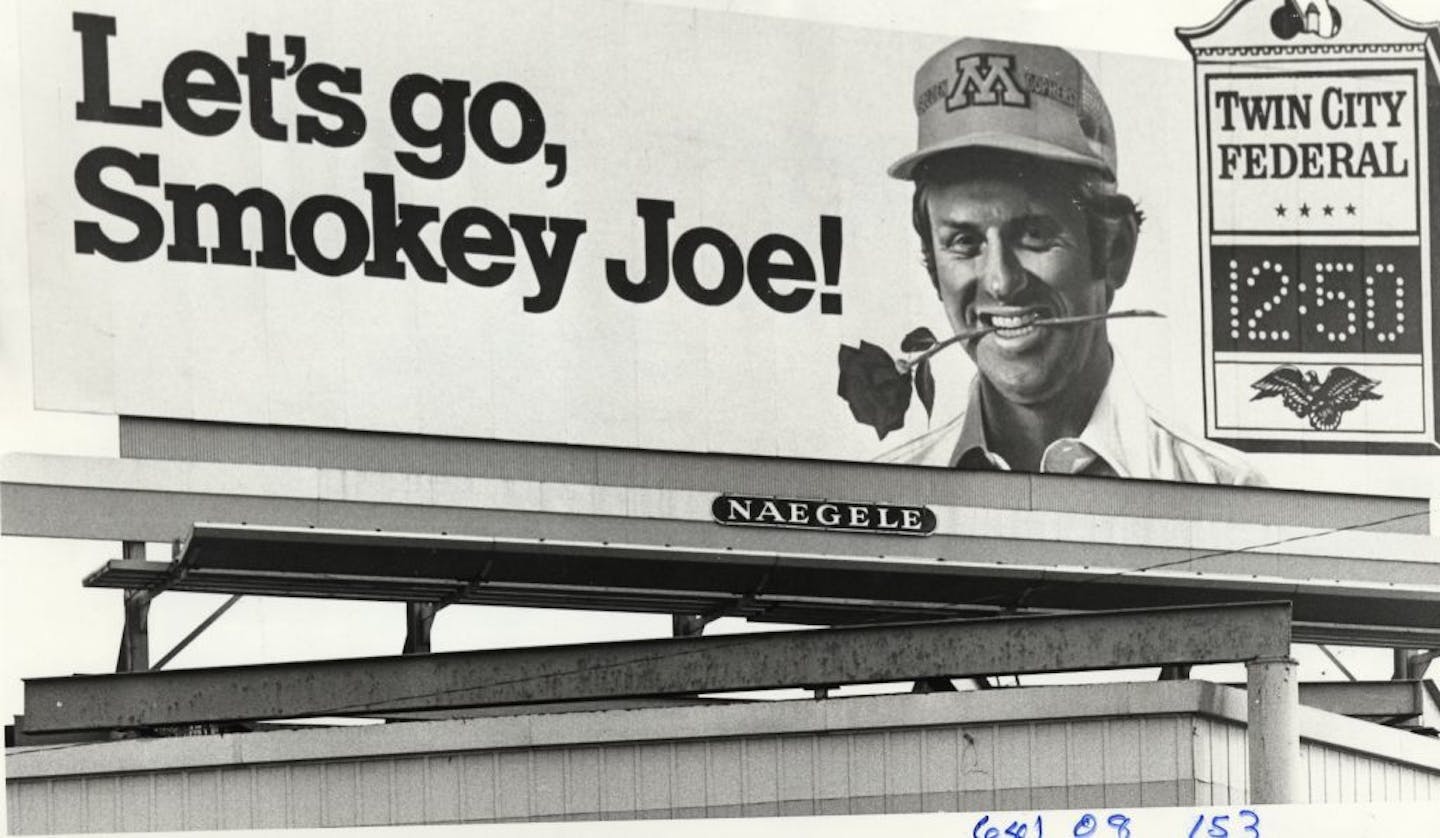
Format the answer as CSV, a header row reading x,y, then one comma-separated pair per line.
x,y
644,227
1317,190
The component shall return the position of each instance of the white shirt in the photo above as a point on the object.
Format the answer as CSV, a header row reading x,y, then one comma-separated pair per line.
x,y
1124,438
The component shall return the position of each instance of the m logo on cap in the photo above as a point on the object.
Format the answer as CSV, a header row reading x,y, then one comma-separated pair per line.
x,y
986,79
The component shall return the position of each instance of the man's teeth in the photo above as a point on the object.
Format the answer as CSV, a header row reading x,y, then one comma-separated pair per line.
x,y
1014,325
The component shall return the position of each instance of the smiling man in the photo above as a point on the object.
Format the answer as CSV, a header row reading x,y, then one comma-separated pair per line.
x,y
1020,222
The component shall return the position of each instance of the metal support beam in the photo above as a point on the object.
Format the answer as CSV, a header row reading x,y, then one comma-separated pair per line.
x,y
1273,730
1411,664
639,568
134,654
1345,670
1420,663
197,631
926,686
689,625
1400,671
1365,699
1372,700
672,666
419,619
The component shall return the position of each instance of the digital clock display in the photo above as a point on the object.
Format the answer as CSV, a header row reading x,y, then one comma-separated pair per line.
x,y
1316,299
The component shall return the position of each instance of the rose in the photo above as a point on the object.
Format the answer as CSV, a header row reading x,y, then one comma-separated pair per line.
x,y
877,387
877,392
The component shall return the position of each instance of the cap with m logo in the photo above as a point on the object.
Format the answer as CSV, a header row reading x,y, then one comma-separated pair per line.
x,y
1025,98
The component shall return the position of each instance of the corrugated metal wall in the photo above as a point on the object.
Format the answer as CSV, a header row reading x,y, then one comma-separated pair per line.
x,y
1158,744
1333,774
1101,762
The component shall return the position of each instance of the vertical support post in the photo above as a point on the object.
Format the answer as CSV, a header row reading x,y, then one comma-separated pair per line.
x,y
134,655
687,625
135,636
1410,665
924,686
1273,730
419,617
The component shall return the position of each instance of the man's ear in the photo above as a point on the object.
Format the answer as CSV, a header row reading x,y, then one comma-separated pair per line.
x,y
1119,234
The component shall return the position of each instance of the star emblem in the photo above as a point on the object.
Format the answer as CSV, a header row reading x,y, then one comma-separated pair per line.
x,y
1328,210
1280,210
1305,210
1349,209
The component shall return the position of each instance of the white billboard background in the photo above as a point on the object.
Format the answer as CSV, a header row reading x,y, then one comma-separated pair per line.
x,y
749,125
751,129
42,596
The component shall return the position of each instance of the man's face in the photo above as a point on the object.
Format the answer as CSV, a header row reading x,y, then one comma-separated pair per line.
x,y
1005,255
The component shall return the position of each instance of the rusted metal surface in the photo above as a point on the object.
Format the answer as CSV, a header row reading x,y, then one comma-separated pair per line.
x,y
672,666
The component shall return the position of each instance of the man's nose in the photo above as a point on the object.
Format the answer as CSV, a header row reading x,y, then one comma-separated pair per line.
x,y
1004,277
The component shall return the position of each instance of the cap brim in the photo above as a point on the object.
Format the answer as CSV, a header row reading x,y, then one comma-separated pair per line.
x,y
905,167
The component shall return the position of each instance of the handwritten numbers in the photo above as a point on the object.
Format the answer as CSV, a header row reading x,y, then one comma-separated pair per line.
x,y
1016,829
1220,826
1233,823
1086,826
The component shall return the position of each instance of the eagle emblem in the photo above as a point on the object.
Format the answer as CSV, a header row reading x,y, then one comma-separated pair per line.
x,y
1307,397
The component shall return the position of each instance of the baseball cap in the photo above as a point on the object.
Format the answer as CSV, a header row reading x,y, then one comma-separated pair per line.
x,y
1026,98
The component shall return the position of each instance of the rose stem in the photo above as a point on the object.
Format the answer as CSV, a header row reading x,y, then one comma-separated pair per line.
x,y
1053,321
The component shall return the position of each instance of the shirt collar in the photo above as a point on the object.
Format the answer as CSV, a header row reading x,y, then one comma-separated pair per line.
x,y
971,450
1119,427
1115,433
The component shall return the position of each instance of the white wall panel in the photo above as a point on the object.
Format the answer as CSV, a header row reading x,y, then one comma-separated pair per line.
x,y
1180,743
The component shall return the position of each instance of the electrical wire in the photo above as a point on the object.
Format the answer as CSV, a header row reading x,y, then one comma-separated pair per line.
x,y
1204,556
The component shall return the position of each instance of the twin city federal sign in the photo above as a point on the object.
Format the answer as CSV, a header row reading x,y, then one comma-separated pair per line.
x,y
1317,130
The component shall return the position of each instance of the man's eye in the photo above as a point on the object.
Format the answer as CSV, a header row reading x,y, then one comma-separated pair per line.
x,y
964,245
1039,236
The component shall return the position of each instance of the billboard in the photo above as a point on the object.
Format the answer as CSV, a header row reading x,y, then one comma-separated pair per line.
x,y
644,227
